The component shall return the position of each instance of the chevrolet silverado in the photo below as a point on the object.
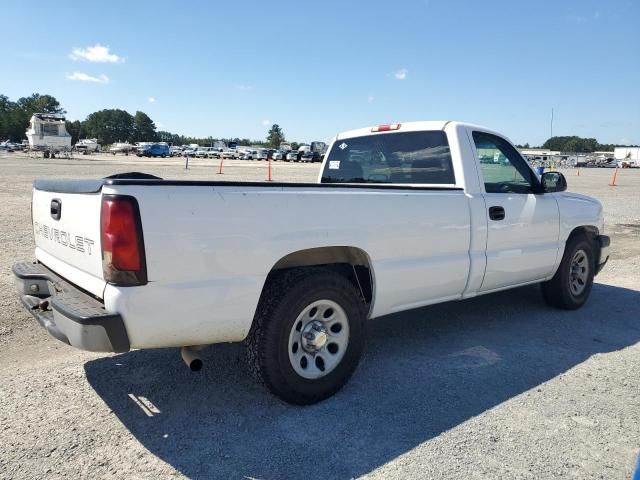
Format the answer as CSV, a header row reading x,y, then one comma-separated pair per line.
x,y
402,216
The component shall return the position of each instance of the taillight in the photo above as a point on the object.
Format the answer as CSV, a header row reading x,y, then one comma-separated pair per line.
x,y
123,260
386,128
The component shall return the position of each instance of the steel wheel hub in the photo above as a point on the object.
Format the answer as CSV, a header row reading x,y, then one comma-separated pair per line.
x,y
314,336
318,339
579,272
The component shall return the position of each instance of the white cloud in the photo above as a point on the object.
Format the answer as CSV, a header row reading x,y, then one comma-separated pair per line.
x,y
371,99
244,87
83,77
401,74
97,53
266,122
151,99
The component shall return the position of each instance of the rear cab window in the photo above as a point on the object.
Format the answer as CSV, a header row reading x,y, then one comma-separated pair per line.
x,y
421,157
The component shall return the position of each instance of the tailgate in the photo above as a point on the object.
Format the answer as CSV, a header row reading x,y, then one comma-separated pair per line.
x,y
66,229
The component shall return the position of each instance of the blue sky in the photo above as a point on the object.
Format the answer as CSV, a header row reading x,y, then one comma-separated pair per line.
x,y
231,68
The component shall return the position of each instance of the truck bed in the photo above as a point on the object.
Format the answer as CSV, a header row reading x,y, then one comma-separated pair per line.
x,y
94,186
210,246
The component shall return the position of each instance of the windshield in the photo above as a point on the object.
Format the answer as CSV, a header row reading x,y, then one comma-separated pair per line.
x,y
402,158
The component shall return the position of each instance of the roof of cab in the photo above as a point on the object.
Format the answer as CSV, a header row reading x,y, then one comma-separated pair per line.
x,y
406,127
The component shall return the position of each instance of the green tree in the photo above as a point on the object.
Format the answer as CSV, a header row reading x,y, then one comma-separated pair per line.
x,y
169,137
37,103
109,126
6,121
15,116
572,144
144,130
275,136
75,130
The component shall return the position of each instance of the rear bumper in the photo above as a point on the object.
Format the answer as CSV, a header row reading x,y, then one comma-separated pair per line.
x,y
68,313
604,242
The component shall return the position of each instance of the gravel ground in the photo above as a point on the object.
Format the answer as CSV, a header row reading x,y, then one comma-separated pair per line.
x,y
499,386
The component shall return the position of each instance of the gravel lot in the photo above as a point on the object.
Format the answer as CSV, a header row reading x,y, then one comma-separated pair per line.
x,y
499,386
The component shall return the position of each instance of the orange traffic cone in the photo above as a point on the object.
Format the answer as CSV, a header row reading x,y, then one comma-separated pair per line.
x,y
269,175
613,179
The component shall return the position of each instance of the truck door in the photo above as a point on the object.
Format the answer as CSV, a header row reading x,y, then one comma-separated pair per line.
x,y
523,224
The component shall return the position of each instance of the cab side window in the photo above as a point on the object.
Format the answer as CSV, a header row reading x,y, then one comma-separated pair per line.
x,y
503,168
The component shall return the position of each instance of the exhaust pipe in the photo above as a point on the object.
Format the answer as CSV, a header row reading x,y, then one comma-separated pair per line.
x,y
191,358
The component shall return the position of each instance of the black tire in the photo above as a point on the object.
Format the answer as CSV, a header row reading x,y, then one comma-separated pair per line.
x,y
558,292
267,346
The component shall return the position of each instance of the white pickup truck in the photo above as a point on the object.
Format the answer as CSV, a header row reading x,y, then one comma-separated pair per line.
x,y
402,216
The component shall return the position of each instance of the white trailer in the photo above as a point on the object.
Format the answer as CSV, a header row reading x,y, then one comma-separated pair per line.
x,y
628,155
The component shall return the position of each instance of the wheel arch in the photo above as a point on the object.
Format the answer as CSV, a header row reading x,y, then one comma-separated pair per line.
x,y
352,262
590,231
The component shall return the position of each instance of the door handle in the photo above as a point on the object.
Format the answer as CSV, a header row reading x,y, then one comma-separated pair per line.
x,y
496,213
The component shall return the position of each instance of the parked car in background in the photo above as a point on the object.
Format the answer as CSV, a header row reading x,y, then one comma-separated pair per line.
x,y
262,154
189,152
13,147
248,154
293,156
154,150
202,152
230,154
175,151
311,157
279,155
124,148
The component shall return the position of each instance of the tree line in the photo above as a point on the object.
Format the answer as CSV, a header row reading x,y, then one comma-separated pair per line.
x,y
575,144
275,136
115,125
579,145
108,126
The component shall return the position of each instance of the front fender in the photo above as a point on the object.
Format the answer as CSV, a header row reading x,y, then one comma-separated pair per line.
x,y
577,211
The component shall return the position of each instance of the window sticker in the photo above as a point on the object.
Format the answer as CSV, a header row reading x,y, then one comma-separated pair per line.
x,y
342,146
334,164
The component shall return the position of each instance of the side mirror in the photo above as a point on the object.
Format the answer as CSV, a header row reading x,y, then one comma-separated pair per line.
x,y
553,182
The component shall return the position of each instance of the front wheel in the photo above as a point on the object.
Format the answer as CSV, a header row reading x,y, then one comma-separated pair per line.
x,y
307,336
570,287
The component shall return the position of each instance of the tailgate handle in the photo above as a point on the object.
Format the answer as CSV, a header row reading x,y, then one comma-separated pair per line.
x,y
56,209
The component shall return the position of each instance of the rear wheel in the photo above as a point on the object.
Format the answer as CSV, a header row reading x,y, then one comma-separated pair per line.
x,y
307,336
570,287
